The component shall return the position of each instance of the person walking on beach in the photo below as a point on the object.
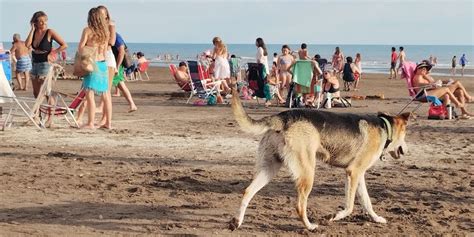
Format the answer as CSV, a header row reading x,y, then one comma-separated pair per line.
x,y
338,61
393,64
358,74
96,36
118,81
23,62
463,61
262,54
453,65
40,39
401,57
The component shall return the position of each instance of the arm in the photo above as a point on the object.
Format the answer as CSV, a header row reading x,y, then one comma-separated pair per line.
x,y
259,55
29,39
317,70
56,37
121,55
354,68
13,49
112,35
83,40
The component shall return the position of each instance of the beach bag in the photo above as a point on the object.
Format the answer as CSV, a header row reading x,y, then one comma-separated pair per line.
x,y
437,112
84,61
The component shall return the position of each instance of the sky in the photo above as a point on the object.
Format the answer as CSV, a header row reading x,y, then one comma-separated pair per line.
x,y
386,22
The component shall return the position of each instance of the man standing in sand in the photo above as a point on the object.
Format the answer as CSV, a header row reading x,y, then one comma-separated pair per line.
x,y
23,63
393,64
401,57
463,61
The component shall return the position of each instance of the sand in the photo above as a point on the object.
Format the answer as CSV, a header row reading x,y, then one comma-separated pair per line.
x,y
173,169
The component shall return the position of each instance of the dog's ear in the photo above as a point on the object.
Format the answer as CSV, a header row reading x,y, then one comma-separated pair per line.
x,y
407,115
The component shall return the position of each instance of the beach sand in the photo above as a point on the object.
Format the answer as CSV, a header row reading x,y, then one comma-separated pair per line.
x,y
173,169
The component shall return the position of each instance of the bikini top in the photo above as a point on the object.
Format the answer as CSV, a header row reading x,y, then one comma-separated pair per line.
x,y
44,46
284,61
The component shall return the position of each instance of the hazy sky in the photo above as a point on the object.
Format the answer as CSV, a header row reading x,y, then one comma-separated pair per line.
x,y
389,22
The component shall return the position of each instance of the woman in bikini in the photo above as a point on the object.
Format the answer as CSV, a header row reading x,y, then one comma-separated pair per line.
x,y
338,60
221,64
41,39
95,35
285,62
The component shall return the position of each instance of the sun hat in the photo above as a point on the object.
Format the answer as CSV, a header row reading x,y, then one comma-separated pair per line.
x,y
424,64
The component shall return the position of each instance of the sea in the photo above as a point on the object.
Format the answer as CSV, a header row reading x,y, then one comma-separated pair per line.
x,y
375,58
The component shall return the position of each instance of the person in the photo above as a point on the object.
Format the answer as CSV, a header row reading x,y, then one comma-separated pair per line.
x,y
272,87
106,121
182,75
40,39
118,50
303,52
337,60
23,62
140,59
401,57
95,35
262,54
350,69
221,64
275,57
285,62
358,74
463,61
453,65
330,85
453,91
393,64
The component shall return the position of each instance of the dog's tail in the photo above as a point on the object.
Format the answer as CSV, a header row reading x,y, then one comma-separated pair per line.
x,y
248,124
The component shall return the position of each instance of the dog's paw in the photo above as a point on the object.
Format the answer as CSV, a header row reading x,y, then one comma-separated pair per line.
x,y
340,215
233,224
379,219
312,226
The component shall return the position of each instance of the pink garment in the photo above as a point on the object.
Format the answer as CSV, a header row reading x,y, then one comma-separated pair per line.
x,y
408,73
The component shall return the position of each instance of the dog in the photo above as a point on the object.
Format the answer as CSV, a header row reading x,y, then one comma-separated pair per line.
x,y
297,138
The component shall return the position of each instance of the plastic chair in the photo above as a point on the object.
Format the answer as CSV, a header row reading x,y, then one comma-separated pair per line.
x,y
143,68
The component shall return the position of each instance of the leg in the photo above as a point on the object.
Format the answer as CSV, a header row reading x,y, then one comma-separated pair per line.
x,y
352,181
458,86
27,81
304,185
90,110
106,121
262,177
36,86
19,80
364,200
128,96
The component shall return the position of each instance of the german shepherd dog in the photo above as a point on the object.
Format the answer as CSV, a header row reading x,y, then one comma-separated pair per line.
x,y
296,138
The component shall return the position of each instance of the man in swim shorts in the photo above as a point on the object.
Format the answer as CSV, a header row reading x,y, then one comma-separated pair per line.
x,y
23,63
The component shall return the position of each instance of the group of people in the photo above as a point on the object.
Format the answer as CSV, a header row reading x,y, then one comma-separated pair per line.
x,y
99,36
394,58
462,61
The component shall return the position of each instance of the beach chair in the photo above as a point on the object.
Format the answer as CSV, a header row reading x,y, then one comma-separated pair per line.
x,y
256,78
302,77
202,84
66,111
17,106
142,68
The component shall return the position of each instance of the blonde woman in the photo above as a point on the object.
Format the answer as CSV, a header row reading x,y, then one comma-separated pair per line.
x,y
285,62
106,121
40,39
96,36
221,64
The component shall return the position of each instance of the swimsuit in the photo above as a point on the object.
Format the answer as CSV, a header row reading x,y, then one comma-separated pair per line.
x,y
332,89
40,60
98,80
23,64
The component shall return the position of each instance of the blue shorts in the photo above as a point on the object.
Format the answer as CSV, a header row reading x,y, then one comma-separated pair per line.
x,y
23,64
40,69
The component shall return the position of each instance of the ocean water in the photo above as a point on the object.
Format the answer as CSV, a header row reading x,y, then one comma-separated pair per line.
x,y
375,58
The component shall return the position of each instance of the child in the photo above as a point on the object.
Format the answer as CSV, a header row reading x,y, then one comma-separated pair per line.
x,y
272,87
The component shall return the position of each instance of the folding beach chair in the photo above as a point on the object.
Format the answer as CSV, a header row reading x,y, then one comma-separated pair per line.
x,y
17,106
143,68
330,99
66,111
200,86
257,78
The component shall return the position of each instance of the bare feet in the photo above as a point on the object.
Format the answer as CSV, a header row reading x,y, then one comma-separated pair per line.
x,y
88,126
116,95
104,126
133,109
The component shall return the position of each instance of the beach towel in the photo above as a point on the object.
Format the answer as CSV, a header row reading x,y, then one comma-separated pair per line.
x,y
408,73
5,89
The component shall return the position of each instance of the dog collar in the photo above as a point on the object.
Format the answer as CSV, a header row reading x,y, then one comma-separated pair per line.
x,y
388,128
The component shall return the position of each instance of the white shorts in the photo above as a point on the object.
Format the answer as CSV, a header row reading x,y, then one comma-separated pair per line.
x,y
110,59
